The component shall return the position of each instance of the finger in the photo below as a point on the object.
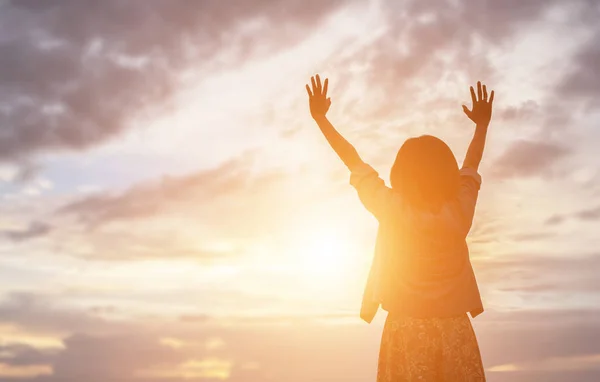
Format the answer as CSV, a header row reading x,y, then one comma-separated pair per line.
x,y
314,86
325,86
485,93
318,83
473,98
491,97
328,102
308,91
467,111
479,90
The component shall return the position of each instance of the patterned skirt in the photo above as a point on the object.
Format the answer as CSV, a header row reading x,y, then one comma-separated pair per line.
x,y
429,350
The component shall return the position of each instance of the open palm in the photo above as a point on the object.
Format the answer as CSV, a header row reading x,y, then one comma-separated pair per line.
x,y
317,98
481,113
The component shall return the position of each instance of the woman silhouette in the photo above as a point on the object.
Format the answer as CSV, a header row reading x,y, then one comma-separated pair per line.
x,y
421,272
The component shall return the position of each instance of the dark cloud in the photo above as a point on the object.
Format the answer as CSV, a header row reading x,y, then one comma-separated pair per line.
x,y
90,354
588,214
524,111
87,95
76,73
194,192
524,158
434,41
514,337
227,201
429,41
544,376
527,336
95,349
40,314
26,355
36,229
583,81
149,199
555,219
110,358
523,335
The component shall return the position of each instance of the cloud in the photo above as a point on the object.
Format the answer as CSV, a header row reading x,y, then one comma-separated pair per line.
x,y
211,215
140,352
526,158
588,214
543,376
528,273
555,364
40,314
233,184
26,355
239,200
526,110
35,230
585,215
252,353
536,236
428,30
149,199
75,74
110,358
207,215
535,336
555,219
582,81
429,45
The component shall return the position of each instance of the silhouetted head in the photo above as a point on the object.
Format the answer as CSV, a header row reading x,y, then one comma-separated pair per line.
x,y
425,173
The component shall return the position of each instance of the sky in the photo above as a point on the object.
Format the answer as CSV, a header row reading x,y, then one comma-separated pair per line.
x,y
170,212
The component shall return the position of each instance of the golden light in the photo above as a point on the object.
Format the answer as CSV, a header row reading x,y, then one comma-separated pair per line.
x,y
578,362
322,257
325,253
24,371
208,368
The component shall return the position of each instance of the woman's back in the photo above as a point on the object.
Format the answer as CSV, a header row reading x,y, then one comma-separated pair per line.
x,y
424,263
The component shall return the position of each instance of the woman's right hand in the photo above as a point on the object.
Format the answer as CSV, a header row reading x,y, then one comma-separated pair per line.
x,y
317,98
481,112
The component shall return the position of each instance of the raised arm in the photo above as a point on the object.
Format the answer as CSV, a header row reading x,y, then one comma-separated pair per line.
x,y
319,105
372,191
481,114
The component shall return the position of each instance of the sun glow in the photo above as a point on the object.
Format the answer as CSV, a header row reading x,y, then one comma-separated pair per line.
x,y
323,257
325,253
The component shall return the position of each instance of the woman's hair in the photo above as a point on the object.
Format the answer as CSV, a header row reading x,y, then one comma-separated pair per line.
x,y
425,173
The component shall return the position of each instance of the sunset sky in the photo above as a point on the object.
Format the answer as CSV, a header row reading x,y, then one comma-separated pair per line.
x,y
169,211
